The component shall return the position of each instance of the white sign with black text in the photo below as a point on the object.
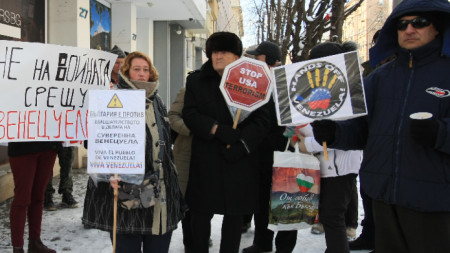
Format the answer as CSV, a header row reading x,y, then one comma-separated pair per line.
x,y
116,132
324,88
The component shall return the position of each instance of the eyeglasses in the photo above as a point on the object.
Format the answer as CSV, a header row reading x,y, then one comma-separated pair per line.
x,y
418,22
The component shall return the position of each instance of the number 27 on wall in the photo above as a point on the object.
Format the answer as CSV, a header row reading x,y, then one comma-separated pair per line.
x,y
83,12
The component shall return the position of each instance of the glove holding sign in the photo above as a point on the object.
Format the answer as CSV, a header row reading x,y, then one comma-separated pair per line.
x,y
324,131
227,134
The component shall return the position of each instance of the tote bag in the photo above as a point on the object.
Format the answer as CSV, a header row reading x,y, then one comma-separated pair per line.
x,y
294,201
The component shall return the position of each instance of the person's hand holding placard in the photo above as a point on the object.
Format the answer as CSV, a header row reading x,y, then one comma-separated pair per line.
x,y
324,132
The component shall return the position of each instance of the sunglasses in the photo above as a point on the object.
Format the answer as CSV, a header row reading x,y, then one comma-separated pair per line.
x,y
418,22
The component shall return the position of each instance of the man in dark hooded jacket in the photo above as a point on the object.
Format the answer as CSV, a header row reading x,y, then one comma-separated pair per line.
x,y
221,180
406,164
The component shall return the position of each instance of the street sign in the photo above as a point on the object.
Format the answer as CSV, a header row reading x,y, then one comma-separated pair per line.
x,y
246,84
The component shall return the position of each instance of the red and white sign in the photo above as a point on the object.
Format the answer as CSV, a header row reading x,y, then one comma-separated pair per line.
x,y
246,84
45,90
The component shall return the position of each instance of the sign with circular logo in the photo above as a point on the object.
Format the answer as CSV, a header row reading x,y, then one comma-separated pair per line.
x,y
318,89
246,84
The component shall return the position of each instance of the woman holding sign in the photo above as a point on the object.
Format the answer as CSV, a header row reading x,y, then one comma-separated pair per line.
x,y
149,212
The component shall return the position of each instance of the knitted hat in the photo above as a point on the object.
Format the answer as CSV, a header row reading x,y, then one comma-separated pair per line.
x,y
331,48
349,46
223,41
269,49
118,51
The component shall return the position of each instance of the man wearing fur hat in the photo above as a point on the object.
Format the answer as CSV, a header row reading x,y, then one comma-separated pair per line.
x,y
406,164
221,180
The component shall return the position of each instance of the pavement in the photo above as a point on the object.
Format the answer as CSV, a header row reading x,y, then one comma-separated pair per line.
x,y
62,229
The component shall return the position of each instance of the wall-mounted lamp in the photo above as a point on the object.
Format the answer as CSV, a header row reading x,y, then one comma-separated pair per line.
x,y
133,36
179,30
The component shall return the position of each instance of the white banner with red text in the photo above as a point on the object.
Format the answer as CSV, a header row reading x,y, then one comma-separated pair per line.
x,y
44,90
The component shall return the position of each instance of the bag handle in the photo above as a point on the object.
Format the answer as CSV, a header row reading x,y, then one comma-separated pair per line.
x,y
296,149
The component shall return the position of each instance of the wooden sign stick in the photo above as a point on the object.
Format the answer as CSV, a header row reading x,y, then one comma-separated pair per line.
x,y
116,192
325,151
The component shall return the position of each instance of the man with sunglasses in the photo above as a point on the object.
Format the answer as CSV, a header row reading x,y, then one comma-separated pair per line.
x,y
406,164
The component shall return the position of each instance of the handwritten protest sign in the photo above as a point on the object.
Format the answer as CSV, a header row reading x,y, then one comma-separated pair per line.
x,y
116,132
44,90
329,87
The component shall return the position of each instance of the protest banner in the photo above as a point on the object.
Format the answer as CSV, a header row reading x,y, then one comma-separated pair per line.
x,y
246,84
324,88
45,90
116,132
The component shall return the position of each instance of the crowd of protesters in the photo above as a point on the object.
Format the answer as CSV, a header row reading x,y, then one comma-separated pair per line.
x,y
404,171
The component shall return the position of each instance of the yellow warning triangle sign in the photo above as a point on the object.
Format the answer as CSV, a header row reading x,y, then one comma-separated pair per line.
x,y
115,102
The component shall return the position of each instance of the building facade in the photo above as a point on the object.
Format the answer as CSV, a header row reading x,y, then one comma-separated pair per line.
x,y
362,24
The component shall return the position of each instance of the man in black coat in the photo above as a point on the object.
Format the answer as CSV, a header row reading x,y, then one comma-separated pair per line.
x,y
221,180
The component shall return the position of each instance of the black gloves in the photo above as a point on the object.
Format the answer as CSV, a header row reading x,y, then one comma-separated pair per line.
x,y
235,152
324,130
424,131
227,134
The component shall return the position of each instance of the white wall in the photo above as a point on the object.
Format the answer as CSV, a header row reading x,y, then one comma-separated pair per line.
x,y
66,26
123,25
145,36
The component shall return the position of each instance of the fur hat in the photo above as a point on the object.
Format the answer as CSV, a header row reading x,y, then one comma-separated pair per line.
x,y
269,49
116,50
223,41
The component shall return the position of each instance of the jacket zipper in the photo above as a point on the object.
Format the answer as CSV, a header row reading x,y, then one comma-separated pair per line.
x,y
400,125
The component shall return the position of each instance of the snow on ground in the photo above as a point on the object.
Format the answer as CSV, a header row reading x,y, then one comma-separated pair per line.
x,y
62,229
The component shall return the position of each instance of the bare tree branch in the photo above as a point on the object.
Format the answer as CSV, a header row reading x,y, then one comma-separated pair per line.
x,y
298,25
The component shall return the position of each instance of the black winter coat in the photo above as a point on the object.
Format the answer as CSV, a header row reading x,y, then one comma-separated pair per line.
x,y
215,184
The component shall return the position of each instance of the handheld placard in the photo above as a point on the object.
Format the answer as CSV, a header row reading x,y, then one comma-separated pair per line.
x,y
246,84
320,88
